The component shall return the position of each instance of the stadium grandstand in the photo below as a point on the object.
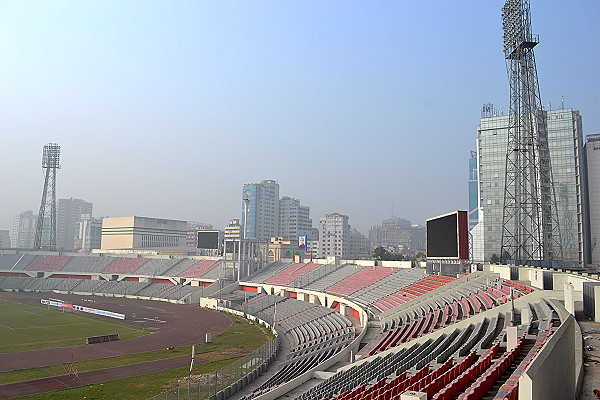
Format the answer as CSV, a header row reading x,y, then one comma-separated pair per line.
x,y
358,330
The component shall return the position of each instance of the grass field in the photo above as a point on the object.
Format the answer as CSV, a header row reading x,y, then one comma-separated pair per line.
x,y
239,339
48,328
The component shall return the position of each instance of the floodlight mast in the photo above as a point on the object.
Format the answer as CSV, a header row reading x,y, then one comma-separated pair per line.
x,y
45,233
530,230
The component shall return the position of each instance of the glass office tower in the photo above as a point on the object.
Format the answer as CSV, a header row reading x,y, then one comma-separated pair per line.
x,y
565,139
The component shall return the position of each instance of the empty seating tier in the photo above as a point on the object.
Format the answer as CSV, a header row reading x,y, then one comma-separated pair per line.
x,y
48,263
291,273
152,290
157,266
200,268
315,334
334,276
125,265
412,291
360,280
8,261
87,264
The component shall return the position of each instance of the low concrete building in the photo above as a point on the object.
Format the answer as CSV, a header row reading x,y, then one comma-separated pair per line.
x,y
277,249
143,233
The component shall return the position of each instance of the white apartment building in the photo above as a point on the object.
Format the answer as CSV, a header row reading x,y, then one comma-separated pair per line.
x,y
294,219
592,150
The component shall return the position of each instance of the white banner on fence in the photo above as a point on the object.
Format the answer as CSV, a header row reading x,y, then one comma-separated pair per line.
x,y
88,310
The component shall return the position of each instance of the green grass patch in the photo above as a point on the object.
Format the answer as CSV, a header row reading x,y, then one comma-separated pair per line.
x,y
136,388
239,339
25,327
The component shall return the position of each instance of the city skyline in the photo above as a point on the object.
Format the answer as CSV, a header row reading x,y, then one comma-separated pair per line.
x,y
165,111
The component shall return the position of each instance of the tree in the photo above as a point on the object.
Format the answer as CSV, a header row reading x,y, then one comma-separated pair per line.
x,y
494,259
381,253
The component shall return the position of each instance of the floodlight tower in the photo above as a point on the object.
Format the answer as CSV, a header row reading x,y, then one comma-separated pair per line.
x,y
45,233
530,233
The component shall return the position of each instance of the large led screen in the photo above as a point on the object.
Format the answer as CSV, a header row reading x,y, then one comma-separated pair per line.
x,y
208,240
442,238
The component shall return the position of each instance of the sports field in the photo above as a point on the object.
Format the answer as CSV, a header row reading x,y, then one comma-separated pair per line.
x,y
124,369
26,327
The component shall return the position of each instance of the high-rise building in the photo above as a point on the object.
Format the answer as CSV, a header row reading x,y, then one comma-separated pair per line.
x,y
358,245
23,231
260,210
294,219
334,236
89,235
70,213
398,235
233,230
592,151
4,240
565,141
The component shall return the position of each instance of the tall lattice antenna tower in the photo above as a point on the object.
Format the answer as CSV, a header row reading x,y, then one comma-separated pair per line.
x,y
45,234
530,233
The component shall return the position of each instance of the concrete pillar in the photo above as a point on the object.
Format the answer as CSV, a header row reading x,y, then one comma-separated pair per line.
x,y
569,298
413,396
525,315
523,274
596,303
512,337
508,318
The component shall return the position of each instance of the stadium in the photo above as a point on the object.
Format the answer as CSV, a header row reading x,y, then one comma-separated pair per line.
x,y
344,329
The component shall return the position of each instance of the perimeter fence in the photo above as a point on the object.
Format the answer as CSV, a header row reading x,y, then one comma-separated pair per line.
x,y
223,383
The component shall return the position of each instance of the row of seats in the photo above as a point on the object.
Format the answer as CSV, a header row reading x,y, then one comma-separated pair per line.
x,y
125,265
360,280
155,290
456,290
201,268
111,265
387,376
334,276
261,303
385,287
412,291
431,317
48,263
291,273
315,334
455,386
524,288
269,271
510,387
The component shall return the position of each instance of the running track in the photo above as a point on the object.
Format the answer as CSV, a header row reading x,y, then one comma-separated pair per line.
x,y
179,325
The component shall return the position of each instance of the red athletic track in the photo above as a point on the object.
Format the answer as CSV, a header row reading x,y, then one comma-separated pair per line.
x,y
183,325
44,385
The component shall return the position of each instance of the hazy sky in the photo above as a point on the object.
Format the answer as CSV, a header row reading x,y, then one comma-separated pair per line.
x,y
165,109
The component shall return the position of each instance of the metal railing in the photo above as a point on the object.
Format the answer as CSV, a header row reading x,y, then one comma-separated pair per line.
x,y
224,382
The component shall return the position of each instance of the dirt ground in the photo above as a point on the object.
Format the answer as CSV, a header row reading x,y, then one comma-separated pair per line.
x,y
591,355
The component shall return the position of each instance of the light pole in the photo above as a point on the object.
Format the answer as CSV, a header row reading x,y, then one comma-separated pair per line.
x,y
246,201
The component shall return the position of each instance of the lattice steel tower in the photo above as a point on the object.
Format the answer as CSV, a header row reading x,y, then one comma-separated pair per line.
x,y
45,233
530,233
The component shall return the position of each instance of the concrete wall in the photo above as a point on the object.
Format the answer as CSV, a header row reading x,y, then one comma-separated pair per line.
x,y
310,296
551,374
395,264
502,270
536,277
